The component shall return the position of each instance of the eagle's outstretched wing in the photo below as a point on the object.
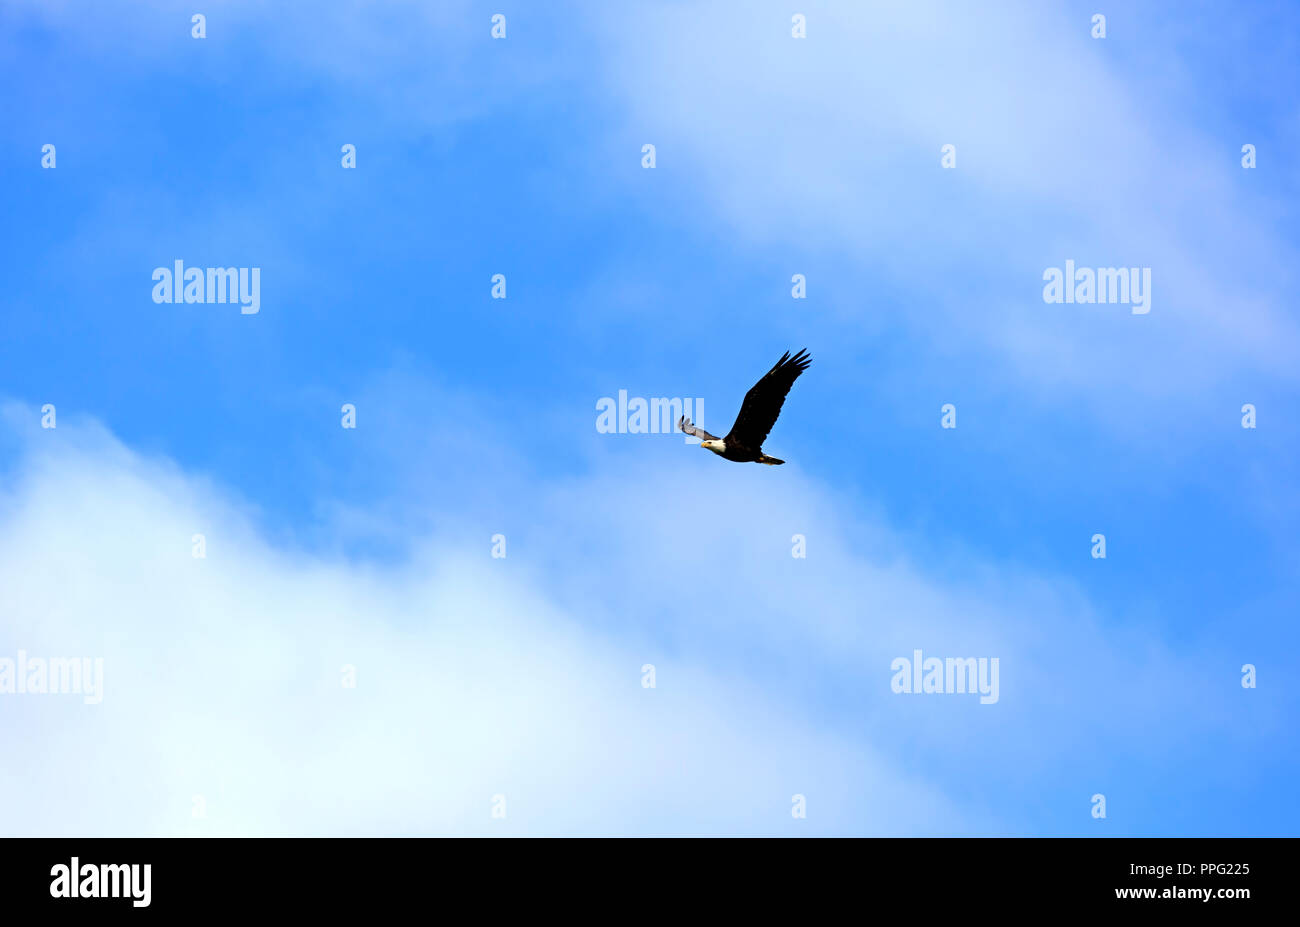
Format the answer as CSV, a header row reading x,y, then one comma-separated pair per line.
x,y
764,400
686,426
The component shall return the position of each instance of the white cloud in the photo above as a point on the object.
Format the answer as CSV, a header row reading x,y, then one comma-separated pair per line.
x,y
222,679
521,677
830,146
827,148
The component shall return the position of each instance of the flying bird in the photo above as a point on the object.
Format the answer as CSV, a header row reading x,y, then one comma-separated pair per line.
x,y
744,443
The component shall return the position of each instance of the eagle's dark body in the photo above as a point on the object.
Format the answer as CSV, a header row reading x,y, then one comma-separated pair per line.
x,y
744,443
741,454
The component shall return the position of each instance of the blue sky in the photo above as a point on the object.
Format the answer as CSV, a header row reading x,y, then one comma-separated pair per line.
x,y
775,156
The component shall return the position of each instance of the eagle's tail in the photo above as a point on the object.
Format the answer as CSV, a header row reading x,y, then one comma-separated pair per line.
x,y
773,461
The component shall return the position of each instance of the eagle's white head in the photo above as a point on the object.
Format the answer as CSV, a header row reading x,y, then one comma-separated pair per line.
x,y
717,445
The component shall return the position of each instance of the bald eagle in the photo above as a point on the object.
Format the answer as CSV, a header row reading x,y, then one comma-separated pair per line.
x,y
744,443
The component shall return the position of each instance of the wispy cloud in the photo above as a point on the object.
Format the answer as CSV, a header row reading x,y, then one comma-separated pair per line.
x,y
829,147
224,680
522,676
